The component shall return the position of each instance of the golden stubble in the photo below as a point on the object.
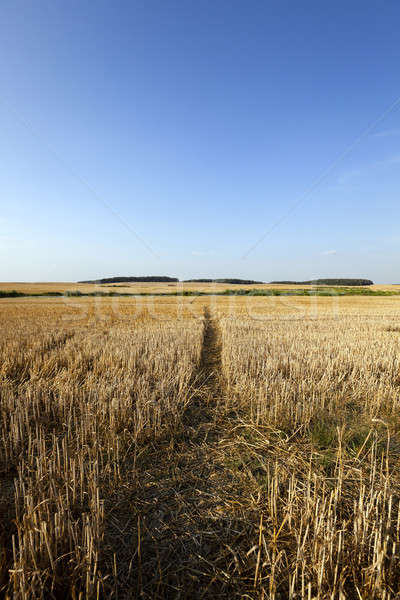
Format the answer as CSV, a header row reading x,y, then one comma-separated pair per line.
x,y
99,398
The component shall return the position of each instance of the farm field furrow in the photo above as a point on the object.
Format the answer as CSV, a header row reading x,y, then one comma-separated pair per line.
x,y
200,448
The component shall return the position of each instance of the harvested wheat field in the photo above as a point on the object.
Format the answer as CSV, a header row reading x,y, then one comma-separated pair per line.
x,y
191,448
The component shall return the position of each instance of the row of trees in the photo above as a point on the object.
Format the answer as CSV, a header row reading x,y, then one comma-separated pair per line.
x,y
328,282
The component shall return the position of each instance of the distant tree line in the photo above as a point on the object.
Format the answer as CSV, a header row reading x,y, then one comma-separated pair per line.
x,y
234,281
328,282
165,279
146,279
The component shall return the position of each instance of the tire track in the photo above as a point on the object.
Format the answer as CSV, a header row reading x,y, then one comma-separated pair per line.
x,y
169,530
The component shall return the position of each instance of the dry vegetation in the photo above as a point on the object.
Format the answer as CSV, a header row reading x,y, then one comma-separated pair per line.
x,y
153,287
319,406
200,448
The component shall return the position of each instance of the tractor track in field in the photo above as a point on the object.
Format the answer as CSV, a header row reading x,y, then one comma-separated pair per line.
x,y
169,545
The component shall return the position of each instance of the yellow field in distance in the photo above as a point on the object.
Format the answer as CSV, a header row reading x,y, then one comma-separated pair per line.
x,y
132,288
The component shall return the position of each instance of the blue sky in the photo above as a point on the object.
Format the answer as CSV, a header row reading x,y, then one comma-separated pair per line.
x,y
194,138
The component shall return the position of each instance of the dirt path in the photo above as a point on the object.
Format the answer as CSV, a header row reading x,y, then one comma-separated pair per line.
x,y
183,524
210,363
201,415
176,529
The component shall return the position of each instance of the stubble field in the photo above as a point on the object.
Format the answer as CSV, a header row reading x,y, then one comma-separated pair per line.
x,y
211,447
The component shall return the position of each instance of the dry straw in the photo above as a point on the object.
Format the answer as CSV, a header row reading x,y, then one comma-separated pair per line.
x,y
212,457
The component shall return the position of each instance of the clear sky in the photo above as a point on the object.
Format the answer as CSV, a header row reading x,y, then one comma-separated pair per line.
x,y
199,138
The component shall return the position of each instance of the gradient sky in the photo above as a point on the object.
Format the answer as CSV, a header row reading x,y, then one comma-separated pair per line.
x,y
166,137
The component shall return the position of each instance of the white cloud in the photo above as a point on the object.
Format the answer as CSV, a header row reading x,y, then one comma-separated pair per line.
x,y
392,160
389,161
8,242
329,252
203,252
387,133
394,239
